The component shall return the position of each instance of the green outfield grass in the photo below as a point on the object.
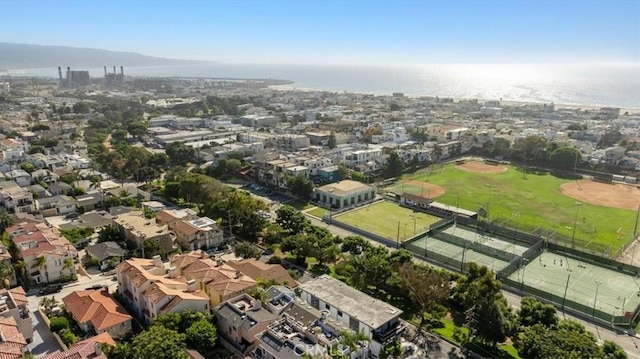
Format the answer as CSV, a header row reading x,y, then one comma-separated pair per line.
x,y
382,218
531,202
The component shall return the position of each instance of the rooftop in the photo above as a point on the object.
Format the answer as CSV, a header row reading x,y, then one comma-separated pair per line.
x,y
344,187
356,304
97,307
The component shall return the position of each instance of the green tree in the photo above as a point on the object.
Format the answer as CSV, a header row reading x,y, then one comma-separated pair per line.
x,y
7,273
41,263
59,323
332,140
151,248
533,311
613,350
159,342
300,186
291,220
567,339
138,129
273,233
354,244
118,351
565,157
48,303
111,233
68,338
180,154
394,166
27,167
201,335
6,220
428,289
245,250
81,107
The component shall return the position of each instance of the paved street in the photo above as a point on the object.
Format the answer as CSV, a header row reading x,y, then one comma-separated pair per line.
x,y
629,343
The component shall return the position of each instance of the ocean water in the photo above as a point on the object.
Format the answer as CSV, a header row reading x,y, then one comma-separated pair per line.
x,y
583,84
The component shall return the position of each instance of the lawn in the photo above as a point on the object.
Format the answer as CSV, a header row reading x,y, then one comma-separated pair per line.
x,y
382,218
534,201
317,211
299,204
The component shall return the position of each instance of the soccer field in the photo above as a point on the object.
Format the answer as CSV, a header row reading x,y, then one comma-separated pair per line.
x,y
382,218
531,201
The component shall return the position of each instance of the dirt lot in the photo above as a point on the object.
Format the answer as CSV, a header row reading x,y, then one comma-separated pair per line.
x,y
603,194
428,190
481,167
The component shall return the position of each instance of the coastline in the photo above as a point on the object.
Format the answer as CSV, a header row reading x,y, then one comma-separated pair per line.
x,y
567,106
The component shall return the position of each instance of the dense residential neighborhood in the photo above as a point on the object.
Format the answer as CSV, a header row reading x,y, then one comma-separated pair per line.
x,y
142,223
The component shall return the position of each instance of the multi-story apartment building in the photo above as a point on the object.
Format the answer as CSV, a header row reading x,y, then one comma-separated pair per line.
x,y
198,233
138,228
239,320
16,199
56,205
12,150
150,289
377,320
169,217
218,280
359,157
292,143
47,255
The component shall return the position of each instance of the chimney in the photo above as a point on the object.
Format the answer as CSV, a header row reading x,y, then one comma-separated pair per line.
x,y
60,73
114,70
122,70
238,274
172,272
68,76
97,348
256,305
105,71
191,285
219,262
157,261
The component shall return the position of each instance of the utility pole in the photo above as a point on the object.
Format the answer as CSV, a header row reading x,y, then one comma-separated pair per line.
x,y
566,287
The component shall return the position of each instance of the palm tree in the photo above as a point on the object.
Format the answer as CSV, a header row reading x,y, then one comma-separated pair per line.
x,y
69,264
6,220
6,274
41,262
20,268
351,339
48,303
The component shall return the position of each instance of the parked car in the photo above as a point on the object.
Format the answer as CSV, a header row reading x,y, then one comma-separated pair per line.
x,y
96,286
72,215
50,289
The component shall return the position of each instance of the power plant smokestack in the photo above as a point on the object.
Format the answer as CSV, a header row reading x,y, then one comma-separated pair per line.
x,y
114,71
122,70
68,76
105,71
60,73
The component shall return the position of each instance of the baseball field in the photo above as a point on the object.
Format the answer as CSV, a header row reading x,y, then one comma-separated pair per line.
x,y
604,215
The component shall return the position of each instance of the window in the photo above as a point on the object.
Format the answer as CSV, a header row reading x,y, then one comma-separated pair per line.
x,y
339,313
327,306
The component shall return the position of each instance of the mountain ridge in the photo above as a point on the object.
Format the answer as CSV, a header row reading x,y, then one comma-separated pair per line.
x,y
28,56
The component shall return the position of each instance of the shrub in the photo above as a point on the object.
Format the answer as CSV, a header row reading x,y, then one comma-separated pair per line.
x,y
274,260
58,324
68,338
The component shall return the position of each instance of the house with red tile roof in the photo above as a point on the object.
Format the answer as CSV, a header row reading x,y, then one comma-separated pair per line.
x,y
261,271
219,281
96,310
13,303
48,256
12,343
90,348
197,233
152,289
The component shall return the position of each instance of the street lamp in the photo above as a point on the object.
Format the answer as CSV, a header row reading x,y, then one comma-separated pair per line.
x,y
575,223
595,299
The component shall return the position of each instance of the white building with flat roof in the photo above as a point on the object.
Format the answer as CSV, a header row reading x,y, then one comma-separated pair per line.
x,y
344,194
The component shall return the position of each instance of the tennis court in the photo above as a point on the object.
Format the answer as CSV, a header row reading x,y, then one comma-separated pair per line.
x,y
443,249
552,272
486,239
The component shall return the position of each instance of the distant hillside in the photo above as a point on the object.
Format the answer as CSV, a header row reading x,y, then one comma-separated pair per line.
x,y
25,56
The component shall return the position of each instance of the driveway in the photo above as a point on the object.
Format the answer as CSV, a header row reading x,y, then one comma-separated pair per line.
x,y
43,341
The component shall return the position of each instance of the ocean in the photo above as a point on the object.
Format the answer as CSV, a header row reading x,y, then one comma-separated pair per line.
x,y
581,84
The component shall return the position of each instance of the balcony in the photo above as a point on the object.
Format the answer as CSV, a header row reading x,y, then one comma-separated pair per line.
x,y
389,334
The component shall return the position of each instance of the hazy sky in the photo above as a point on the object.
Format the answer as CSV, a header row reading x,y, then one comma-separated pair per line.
x,y
410,32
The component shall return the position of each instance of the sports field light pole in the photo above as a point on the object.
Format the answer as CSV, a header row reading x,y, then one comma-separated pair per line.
x,y
595,300
566,287
490,195
575,223
524,266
